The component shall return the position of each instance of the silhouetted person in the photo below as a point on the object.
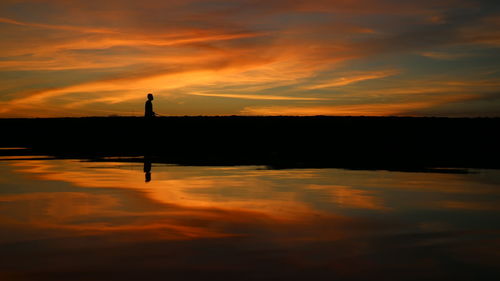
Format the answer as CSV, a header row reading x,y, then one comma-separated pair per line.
x,y
148,113
147,169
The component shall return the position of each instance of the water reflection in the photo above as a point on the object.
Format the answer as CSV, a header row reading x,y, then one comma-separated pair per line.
x,y
147,169
243,222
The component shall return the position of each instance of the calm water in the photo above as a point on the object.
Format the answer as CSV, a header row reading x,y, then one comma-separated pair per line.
x,y
76,220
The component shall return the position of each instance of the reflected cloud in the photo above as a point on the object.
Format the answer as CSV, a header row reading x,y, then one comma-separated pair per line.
x,y
478,206
209,219
147,169
346,196
180,201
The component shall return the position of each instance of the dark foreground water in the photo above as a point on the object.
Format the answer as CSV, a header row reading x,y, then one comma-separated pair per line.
x,y
78,220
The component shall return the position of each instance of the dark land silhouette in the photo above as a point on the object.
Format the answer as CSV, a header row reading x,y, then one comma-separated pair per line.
x,y
393,143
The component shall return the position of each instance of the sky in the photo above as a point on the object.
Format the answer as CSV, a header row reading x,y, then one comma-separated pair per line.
x,y
250,57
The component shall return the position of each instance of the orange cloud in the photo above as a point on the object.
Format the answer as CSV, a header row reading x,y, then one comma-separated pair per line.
x,y
58,27
110,56
351,79
257,72
255,97
380,109
444,56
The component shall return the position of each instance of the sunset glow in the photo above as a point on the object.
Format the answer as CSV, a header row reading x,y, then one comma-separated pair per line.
x,y
250,57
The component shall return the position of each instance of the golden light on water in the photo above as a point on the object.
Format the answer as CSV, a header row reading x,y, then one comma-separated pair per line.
x,y
178,195
220,220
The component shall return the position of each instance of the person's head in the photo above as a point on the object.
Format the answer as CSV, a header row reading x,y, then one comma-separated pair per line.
x,y
150,96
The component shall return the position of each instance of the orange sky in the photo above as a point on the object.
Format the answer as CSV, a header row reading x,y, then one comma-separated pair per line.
x,y
250,57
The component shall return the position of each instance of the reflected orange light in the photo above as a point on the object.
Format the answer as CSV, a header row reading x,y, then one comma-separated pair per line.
x,y
179,203
203,202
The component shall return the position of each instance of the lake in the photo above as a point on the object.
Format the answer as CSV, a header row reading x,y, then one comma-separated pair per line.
x,y
71,219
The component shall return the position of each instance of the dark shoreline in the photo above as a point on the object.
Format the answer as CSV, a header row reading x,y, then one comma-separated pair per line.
x,y
389,143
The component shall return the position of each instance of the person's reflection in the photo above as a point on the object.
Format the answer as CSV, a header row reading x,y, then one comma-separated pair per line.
x,y
147,169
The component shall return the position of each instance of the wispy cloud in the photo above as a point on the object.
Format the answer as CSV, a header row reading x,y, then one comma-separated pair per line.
x,y
375,109
257,97
76,54
445,56
348,79
58,27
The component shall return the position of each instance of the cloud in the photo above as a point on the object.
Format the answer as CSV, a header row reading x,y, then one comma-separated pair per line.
x,y
58,27
341,110
375,109
110,53
445,56
352,78
257,97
